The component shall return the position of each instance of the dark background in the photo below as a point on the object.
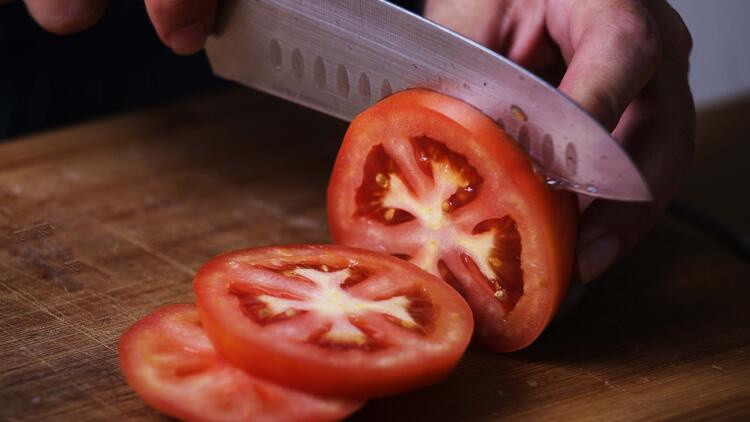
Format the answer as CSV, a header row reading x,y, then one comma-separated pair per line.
x,y
48,80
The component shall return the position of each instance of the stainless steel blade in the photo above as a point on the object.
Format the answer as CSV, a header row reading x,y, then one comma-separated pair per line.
x,y
340,56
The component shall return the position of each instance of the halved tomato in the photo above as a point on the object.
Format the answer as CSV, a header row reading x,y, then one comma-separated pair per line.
x,y
168,360
431,179
332,320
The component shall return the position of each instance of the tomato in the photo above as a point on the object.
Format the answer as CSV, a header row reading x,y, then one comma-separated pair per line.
x,y
430,179
168,360
332,320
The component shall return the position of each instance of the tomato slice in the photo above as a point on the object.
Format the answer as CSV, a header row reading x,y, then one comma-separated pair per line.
x,y
428,178
168,360
332,320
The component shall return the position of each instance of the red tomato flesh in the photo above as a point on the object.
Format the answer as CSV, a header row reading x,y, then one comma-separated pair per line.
x,y
168,360
430,179
332,320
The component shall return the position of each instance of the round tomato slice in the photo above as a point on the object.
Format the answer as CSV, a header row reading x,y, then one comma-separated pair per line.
x,y
332,320
168,360
428,178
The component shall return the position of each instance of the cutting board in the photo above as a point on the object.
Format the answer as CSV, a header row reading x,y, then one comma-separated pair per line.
x,y
103,222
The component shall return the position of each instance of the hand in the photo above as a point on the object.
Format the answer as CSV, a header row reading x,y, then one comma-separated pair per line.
x,y
626,61
182,25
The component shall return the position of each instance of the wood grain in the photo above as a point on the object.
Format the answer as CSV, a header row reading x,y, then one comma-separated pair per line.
x,y
102,223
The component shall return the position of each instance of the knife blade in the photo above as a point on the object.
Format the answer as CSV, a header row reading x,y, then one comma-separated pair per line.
x,y
341,56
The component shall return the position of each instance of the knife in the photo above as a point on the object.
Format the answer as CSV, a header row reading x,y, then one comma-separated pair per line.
x,y
341,56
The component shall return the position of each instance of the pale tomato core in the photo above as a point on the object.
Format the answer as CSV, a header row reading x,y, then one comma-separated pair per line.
x,y
330,295
491,251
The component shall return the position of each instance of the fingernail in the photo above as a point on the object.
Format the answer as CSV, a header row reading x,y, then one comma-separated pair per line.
x,y
188,39
597,257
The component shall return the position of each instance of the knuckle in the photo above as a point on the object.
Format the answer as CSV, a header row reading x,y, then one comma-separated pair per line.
x,y
162,7
682,36
169,7
171,13
636,26
674,28
677,34
75,16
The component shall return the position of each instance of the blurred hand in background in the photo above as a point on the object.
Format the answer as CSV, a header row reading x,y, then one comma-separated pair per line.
x,y
182,25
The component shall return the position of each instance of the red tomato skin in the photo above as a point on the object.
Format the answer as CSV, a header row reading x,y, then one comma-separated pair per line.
x,y
554,213
330,377
298,406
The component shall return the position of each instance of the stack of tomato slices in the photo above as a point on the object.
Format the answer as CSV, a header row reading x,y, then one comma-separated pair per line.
x,y
438,207
296,333
170,362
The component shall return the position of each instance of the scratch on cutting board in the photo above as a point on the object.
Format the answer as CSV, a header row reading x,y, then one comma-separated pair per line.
x,y
123,312
90,265
103,295
41,359
38,305
274,210
267,207
296,221
607,383
137,243
303,222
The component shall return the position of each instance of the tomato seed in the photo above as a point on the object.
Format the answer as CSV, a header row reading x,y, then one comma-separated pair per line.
x,y
389,213
382,180
518,113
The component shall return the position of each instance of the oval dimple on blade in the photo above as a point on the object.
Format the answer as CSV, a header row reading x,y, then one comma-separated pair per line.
x,y
605,171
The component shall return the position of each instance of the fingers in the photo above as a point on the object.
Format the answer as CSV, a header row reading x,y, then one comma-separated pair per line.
x,y
66,16
658,129
182,25
613,48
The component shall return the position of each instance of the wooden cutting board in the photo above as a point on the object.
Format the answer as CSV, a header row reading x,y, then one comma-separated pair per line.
x,y
102,223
